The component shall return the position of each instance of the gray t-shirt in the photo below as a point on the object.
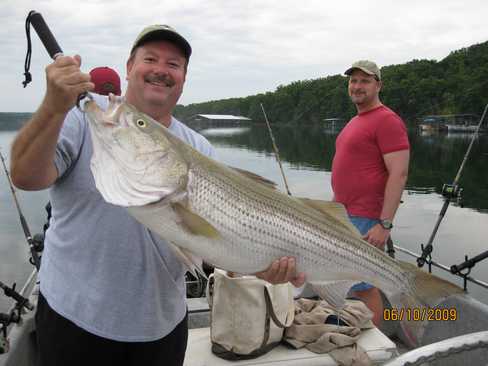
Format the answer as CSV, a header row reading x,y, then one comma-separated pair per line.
x,y
100,268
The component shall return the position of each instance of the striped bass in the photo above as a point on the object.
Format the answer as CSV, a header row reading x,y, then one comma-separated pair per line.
x,y
238,221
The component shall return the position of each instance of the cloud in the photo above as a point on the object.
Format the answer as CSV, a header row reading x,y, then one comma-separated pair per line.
x,y
240,47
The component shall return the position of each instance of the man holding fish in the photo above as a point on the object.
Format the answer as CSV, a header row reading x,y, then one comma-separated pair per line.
x,y
111,291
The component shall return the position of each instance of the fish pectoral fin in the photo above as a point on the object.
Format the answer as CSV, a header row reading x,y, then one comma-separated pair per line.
x,y
193,222
334,292
192,262
255,177
335,210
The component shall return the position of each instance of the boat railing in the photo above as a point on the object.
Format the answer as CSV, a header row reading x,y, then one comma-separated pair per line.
x,y
456,270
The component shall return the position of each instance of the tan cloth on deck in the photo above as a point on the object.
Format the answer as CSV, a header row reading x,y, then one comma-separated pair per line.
x,y
309,330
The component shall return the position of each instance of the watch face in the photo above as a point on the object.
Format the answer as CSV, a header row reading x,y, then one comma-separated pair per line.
x,y
387,224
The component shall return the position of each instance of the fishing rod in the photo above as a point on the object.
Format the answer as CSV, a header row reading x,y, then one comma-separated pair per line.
x,y
48,40
450,192
46,37
34,246
21,300
275,148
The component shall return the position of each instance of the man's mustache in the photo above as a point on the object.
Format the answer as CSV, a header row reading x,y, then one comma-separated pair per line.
x,y
160,78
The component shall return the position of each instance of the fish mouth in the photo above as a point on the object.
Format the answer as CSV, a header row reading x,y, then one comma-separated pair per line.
x,y
110,117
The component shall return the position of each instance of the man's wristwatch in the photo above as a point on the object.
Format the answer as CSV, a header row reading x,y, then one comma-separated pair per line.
x,y
386,224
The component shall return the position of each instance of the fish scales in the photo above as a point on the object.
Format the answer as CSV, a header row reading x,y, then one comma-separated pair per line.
x,y
277,219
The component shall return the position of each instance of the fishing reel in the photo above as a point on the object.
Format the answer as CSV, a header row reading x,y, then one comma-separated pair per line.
x,y
5,321
14,316
37,246
453,192
38,242
4,341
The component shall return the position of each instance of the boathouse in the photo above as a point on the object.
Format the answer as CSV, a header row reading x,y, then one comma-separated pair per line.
x,y
441,122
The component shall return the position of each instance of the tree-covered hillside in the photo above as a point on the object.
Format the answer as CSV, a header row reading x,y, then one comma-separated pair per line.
x,y
456,84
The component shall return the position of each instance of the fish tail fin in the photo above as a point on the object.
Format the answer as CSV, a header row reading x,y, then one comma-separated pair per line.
x,y
411,308
428,288
402,309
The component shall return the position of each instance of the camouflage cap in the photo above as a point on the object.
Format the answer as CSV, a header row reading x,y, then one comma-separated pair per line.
x,y
369,67
162,32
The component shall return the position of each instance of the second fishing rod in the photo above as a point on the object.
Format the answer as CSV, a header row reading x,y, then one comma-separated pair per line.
x,y
450,192
35,243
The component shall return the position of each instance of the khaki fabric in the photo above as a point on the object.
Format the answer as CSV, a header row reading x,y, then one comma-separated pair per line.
x,y
309,330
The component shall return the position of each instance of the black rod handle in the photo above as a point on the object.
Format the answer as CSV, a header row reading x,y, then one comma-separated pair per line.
x,y
45,35
10,292
469,263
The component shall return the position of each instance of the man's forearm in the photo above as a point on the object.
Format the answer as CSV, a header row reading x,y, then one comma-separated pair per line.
x,y
393,194
32,156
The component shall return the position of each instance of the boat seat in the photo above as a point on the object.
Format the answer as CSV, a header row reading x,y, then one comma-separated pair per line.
x,y
198,353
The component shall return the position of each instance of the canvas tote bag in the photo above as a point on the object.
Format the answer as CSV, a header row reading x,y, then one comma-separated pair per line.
x,y
248,315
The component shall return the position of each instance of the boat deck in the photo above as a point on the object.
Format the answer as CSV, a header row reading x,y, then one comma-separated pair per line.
x,y
376,344
473,317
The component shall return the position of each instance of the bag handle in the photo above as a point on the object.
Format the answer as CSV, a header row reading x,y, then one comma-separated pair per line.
x,y
269,305
271,314
210,290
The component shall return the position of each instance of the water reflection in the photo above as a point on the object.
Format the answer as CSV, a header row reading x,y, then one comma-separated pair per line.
x,y
435,158
229,131
13,121
307,153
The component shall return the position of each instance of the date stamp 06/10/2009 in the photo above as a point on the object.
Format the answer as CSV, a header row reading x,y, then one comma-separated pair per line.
x,y
420,314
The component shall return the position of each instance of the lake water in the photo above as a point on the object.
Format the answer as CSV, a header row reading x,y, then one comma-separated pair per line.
x,y
306,152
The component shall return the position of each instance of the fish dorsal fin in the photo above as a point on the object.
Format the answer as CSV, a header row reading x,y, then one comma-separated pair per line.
x,y
334,209
192,262
255,177
194,223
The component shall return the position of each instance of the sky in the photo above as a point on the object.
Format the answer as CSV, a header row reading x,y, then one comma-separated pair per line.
x,y
240,48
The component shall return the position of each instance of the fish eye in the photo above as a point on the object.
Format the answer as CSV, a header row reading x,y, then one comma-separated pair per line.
x,y
141,123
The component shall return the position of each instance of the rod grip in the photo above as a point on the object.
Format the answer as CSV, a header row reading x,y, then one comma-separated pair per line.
x,y
469,263
45,35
